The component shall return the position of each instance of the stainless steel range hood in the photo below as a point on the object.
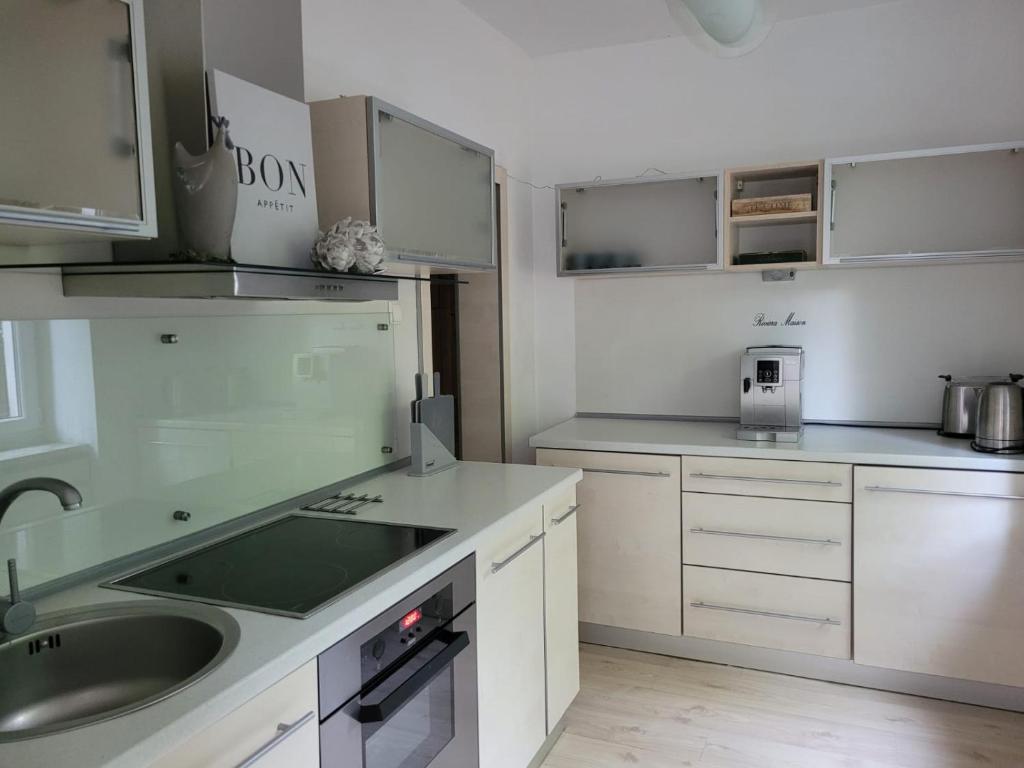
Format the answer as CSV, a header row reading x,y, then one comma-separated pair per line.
x,y
222,281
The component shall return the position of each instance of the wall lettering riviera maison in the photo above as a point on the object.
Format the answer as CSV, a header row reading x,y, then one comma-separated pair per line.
x,y
761,320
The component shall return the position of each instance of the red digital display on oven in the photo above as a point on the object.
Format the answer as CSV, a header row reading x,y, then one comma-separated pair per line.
x,y
410,619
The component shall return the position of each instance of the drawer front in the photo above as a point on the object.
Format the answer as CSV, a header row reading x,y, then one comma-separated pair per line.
x,y
764,477
781,612
795,538
252,736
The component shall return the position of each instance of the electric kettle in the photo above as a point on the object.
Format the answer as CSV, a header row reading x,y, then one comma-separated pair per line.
x,y
960,404
1000,421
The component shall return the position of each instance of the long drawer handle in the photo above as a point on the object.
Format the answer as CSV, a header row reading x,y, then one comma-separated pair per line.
x,y
495,567
886,489
764,536
633,472
771,614
284,731
780,480
566,516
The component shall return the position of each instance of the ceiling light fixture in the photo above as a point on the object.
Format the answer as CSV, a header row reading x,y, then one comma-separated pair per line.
x,y
727,27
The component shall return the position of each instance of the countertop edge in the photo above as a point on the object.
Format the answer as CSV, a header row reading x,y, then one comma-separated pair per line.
x,y
550,439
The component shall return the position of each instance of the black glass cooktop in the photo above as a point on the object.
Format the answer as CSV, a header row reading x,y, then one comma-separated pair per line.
x,y
292,567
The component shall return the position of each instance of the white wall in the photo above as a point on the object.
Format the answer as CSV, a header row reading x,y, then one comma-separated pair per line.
x,y
909,74
443,63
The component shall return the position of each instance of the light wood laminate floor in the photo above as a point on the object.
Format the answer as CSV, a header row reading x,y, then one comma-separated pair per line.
x,y
637,709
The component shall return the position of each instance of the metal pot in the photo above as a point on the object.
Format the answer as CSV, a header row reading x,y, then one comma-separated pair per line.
x,y
960,404
1001,417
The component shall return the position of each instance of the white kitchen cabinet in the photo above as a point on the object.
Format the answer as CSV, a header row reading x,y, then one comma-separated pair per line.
x,y
429,191
630,549
674,225
277,729
561,609
99,184
938,572
937,205
781,612
510,642
749,533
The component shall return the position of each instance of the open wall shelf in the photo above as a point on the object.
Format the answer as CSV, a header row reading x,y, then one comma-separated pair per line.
x,y
778,238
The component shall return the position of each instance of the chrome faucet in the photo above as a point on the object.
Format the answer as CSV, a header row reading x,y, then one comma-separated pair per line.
x,y
16,615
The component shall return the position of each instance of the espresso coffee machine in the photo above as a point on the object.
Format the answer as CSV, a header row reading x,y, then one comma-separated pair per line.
x,y
771,401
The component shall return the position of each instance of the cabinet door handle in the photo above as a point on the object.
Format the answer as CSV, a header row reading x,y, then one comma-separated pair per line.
x,y
566,516
778,480
764,536
770,614
284,730
832,206
964,494
495,567
632,472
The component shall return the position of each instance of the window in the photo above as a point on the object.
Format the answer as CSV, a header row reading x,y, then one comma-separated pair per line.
x,y
20,415
10,390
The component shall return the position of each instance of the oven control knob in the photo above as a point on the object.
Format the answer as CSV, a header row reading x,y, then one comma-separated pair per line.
x,y
378,649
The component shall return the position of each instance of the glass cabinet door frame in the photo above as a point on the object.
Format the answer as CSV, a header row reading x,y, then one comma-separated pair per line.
x,y
717,266
146,226
833,201
374,107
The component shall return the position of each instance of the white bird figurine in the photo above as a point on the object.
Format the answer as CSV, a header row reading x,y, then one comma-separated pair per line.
x,y
206,195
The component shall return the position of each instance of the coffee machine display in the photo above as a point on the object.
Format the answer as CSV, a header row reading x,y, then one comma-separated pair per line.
x,y
771,397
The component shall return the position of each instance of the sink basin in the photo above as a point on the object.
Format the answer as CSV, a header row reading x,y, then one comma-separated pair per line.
x,y
81,666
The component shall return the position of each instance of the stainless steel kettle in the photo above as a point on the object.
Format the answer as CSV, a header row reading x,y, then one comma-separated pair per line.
x,y
960,404
1000,421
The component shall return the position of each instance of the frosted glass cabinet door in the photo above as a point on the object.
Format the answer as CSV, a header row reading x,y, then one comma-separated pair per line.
x,y
953,203
434,192
71,147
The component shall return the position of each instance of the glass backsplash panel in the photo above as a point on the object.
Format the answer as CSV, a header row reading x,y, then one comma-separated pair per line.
x,y
213,416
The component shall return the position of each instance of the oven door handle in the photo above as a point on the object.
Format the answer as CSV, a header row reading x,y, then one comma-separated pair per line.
x,y
455,643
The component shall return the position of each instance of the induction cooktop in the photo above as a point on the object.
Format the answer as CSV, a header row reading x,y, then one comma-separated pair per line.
x,y
293,566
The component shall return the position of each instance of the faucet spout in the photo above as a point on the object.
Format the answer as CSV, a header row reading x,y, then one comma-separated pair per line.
x,y
69,497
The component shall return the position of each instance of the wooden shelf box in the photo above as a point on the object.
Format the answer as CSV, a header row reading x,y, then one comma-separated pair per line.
x,y
774,232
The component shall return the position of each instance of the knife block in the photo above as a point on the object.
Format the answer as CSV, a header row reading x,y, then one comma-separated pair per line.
x,y
429,454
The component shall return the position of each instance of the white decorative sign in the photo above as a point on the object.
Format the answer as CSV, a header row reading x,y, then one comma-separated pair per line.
x,y
276,223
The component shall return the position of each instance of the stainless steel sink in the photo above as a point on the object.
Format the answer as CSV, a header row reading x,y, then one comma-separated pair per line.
x,y
82,666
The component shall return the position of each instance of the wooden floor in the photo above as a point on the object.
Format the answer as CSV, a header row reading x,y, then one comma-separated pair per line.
x,y
637,709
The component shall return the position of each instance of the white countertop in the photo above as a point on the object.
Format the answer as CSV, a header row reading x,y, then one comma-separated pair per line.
x,y
471,498
844,445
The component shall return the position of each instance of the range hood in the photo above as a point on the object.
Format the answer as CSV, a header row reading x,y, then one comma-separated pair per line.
x,y
221,281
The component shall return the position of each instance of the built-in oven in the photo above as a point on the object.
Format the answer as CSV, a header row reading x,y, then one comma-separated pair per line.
x,y
401,691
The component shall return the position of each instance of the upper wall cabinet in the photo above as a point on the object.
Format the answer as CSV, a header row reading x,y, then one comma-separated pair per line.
x,y
76,161
659,224
429,191
927,206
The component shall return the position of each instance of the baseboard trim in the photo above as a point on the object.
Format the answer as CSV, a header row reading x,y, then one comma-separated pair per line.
x,y
804,665
549,744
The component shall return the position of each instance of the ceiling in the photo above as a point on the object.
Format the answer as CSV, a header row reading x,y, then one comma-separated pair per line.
x,y
542,27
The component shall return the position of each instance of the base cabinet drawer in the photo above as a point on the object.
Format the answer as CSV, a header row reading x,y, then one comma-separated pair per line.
x,y
794,538
781,612
765,477
277,729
